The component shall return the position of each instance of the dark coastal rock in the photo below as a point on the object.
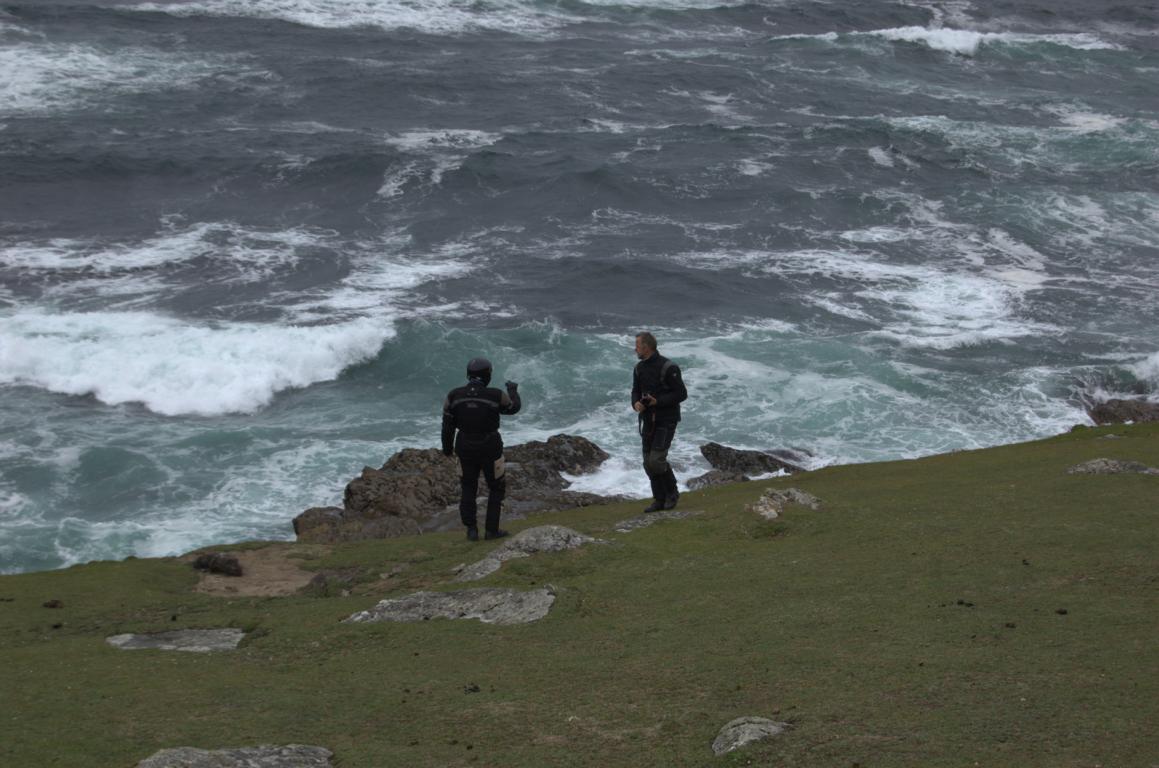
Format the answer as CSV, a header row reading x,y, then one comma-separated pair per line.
x,y
745,730
716,477
750,463
1119,411
289,756
417,491
218,562
491,606
192,640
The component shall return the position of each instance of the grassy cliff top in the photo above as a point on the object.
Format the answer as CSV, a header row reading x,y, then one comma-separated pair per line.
x,y
976,608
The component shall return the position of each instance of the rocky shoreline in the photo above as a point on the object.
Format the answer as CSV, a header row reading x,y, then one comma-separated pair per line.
x,y
417,490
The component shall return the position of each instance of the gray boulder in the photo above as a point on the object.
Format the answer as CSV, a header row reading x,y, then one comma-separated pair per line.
x,y
193,640
1118,411
417,491
744,462
772,502
745,730
543,538
289,756
491,606
1111,467
218,562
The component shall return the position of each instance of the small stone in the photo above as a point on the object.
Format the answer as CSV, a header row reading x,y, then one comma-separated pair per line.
x,y
472,688
1062,611
491,606
53,604
192,640
289,756
745,730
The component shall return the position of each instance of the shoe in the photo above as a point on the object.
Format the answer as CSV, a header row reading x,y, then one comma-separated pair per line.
x,y
472,534
655,506
670,502
488,535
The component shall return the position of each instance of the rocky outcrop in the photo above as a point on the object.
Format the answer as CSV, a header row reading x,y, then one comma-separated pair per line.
x,y
751,463
716,477
745,730
417,491
643,521
289,756
491,606
772,502
543,538
193,640
1111,467
1119,411
218,562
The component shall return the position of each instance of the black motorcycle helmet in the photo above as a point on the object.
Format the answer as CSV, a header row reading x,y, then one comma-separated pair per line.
x,y
479,368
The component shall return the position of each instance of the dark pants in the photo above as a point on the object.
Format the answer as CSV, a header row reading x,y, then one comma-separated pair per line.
x,y
484,456
655,440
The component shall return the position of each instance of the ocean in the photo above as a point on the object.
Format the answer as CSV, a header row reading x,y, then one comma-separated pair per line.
x,y
247,246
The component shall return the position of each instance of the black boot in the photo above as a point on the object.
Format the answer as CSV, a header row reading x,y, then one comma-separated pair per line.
x,y
496,534
655,506
672,496
472,533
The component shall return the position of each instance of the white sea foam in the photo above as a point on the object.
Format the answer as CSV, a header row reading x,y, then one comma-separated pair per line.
x,y
176,367
438,17
440,151
1148,369
967,42
47,77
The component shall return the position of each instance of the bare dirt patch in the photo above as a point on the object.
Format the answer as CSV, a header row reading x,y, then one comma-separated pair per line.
x,y
270,571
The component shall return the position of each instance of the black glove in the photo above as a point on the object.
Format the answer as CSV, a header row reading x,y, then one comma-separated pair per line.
x,y
511,386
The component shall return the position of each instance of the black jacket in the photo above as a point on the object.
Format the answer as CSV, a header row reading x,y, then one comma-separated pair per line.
x,y
660,377
474,411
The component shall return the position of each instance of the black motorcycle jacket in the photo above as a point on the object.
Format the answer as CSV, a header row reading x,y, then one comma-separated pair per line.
x,y
660,377
474,410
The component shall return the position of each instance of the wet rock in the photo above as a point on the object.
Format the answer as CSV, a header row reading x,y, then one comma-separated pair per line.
x,y
716,477
543,538
1111,467
193,640
417,491
218,562
1118,411
643,521
289,756
751,463
772,502
491,606
745,730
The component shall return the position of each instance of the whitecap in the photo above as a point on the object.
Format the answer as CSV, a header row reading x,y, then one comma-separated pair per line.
x,y
967,42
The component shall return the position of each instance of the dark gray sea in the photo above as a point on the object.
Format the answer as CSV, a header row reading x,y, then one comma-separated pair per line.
x,y
246,246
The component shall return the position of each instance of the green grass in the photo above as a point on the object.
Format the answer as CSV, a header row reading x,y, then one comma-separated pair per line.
x,y
912,621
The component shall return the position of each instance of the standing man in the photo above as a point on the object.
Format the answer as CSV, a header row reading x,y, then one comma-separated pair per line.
x,y
657,392
474,411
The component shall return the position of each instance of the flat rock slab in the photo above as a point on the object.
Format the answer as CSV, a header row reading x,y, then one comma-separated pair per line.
x,y
1111,467
195,640
651,518
543,538
491,606
772,502
289,756
745,730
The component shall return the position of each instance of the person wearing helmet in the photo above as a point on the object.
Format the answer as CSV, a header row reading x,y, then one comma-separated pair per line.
x,y
473,412
657,392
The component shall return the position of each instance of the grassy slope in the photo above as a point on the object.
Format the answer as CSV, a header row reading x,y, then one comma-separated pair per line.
x,y
844,622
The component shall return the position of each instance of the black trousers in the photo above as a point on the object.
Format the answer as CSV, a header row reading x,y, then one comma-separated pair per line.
x,y
656,439
484,457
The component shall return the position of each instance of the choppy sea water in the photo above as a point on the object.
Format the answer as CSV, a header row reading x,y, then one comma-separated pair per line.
x,y
246,246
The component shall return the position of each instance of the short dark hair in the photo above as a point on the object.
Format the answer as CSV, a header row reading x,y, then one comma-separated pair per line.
x,y
648,339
